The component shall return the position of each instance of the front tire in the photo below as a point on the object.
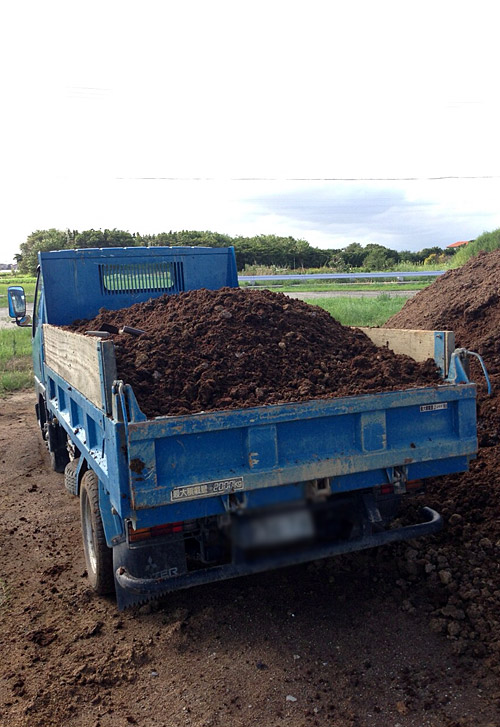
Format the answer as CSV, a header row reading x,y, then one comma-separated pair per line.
x,y
98,557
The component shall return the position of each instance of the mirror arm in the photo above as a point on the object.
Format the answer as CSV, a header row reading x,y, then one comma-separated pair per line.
x,y
23,322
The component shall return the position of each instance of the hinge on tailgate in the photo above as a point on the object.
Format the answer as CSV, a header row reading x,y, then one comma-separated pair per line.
x,y
235,501
399,480
318,489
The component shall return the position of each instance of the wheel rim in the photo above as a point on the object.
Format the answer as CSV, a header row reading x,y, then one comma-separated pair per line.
x,y
88,534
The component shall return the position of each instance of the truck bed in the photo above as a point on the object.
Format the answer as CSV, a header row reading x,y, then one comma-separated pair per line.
x,y
325,474
187,463
174,468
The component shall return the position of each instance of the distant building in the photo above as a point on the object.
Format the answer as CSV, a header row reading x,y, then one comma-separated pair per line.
x,y
459,244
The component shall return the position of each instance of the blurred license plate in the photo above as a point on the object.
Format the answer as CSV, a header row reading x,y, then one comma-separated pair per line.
x,y
276,529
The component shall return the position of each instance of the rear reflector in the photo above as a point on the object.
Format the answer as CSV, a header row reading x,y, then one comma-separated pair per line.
x,y
414,485
387,489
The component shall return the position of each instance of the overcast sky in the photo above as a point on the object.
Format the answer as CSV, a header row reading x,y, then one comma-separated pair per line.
x,y
153,116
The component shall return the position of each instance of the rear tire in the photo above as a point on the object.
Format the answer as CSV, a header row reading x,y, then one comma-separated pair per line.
x,y
70,482
98,557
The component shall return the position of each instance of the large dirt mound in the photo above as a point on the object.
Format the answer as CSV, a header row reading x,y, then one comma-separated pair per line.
x,y
206,350
466,301
463,574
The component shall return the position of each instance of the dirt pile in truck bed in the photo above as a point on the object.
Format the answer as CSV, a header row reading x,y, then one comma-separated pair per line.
x,y
231,348
463,573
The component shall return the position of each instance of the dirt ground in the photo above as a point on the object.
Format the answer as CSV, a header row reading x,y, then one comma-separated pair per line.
x,y
338,643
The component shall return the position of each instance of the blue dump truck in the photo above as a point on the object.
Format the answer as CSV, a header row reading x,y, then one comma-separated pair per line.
x,y
177,501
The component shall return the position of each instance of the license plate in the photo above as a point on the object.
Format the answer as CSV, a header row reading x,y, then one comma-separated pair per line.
x,y
275,529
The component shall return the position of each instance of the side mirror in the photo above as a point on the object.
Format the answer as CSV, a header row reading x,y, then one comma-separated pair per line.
x,y
17,304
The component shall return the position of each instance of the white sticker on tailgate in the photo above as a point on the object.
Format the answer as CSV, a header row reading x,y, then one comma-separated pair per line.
x,y
434,407
207,489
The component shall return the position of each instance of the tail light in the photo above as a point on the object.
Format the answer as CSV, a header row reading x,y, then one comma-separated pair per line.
x,y
410,486
155,532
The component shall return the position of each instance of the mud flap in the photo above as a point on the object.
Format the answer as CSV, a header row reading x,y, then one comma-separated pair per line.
x,y
154,561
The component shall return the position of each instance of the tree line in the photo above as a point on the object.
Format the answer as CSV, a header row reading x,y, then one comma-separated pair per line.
x,y
265,250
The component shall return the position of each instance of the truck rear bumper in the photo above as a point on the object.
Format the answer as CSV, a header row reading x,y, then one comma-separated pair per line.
x,y
131,590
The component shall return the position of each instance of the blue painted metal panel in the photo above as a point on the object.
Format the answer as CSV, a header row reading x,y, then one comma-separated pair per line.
x,y
116,278
206,507
421,470
293,443
355,442
100,439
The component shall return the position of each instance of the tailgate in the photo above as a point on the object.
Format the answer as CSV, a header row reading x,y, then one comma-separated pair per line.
x,y
348,443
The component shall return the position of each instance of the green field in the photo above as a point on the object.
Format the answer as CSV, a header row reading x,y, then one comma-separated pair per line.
x,y
15,359
319,286
361,311
27,281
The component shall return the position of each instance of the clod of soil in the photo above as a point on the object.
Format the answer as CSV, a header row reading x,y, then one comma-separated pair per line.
x,y
463,573
233,348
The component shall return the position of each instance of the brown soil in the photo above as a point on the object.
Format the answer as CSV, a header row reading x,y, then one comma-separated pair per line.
x,y
465,557
348,639
233,348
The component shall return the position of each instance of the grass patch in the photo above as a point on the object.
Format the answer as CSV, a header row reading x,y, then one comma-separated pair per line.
x,y
319,287
391,271
16,368
16,279
487,242
27,282
14,342
361,311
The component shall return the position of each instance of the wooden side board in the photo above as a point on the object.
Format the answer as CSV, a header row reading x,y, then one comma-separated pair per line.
x,y
420,345
82,362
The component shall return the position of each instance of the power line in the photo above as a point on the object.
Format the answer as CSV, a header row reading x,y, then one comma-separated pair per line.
x,y
308,179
